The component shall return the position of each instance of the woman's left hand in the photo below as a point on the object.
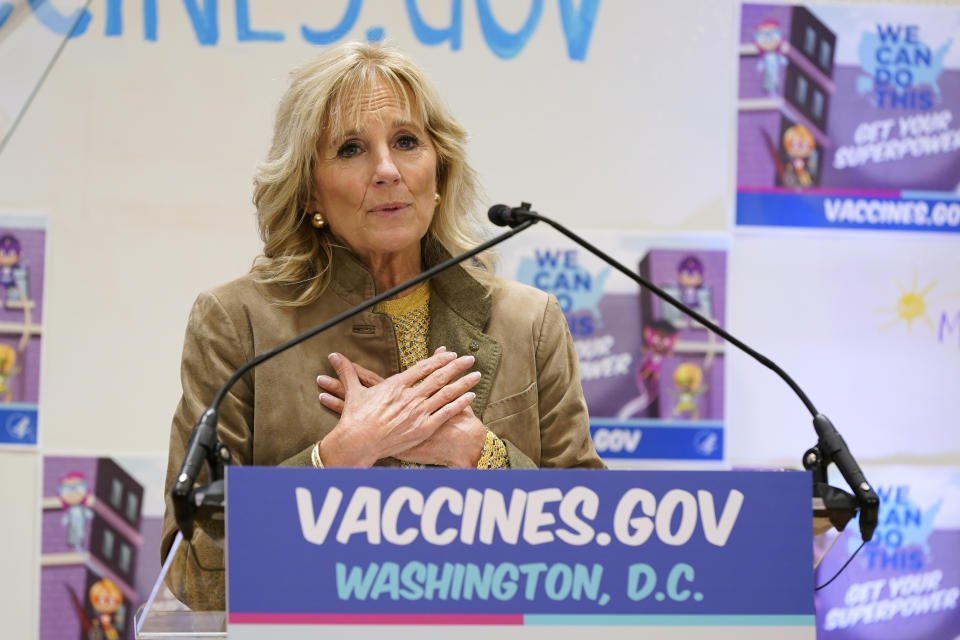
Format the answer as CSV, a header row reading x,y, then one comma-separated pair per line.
x,y
458,443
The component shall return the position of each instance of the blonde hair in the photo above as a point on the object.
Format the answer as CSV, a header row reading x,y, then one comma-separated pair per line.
x,y
321,97
105,587
799,133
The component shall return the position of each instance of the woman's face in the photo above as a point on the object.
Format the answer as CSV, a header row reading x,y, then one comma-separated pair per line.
x,y
375,185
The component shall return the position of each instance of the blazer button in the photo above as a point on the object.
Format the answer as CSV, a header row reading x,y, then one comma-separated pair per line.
x,y
474,346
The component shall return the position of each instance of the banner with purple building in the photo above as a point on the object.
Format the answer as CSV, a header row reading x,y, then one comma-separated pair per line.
x,y
22,255
848,117
100,544
653,379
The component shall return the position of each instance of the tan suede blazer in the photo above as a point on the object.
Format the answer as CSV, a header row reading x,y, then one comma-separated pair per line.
x,y
529,395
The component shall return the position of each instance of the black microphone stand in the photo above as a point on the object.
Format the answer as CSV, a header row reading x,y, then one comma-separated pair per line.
x,y
829,502
189,501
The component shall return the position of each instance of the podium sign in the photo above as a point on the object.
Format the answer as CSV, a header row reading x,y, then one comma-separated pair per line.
x,y
522,549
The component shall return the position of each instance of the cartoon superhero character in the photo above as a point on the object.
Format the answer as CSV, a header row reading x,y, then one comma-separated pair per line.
x,y
688,379
74,496
769,40
106,600
659,338
801,149
690,279
12,273
8,371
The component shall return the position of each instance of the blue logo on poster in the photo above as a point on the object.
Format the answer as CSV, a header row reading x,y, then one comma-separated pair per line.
x,y
902,70
19,426
706,442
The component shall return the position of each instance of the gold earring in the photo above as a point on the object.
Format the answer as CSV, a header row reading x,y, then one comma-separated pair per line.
x,y
436,199
318,221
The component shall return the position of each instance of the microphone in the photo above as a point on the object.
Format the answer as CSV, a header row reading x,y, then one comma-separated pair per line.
x,y
203,447
839,506
504,216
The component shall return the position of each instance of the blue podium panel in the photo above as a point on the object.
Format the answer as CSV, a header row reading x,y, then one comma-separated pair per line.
x,y
693,549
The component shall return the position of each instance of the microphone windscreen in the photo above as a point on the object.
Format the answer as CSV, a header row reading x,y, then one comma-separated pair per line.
x,y
500,215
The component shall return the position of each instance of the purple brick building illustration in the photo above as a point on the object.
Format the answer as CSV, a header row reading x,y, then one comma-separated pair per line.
x,y
90,545
786,84
682,368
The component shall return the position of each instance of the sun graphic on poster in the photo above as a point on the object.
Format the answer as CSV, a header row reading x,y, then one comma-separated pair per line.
x,y
911,305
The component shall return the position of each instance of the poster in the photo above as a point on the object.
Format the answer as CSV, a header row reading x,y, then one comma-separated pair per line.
x,y
100,544
849,117
905,583
653,379
22,254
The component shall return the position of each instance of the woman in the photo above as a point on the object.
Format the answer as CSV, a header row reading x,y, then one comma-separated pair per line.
x,y
366,184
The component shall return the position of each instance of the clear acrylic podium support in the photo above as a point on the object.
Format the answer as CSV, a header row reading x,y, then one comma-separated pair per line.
x,y
164,617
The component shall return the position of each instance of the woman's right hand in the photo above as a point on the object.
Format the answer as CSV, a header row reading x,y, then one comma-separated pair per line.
x,y
405,409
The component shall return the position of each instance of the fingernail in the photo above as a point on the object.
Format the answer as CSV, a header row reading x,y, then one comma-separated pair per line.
x,y
469,360
320,397
440,349
321,379
470,395
474,375
446,356
334,357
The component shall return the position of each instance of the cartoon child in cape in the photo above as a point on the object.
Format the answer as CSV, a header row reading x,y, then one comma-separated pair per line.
x,y
800,147
106,600
74,496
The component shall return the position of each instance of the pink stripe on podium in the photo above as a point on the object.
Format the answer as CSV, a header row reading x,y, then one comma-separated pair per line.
x,y
375,618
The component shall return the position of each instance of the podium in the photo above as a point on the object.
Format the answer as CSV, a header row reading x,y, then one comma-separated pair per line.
x,y
436,552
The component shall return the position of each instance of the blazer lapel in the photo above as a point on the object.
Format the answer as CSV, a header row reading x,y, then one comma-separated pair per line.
x,y
459,312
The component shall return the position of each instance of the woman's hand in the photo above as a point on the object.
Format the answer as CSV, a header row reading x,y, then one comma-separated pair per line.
x,y
456,443
381,418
